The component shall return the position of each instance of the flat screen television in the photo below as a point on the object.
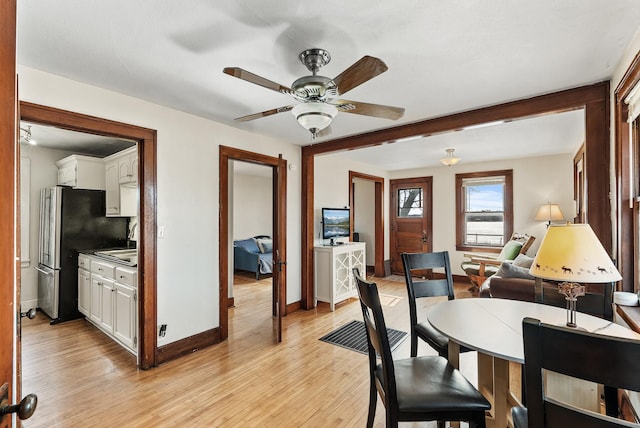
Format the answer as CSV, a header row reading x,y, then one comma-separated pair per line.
x,y
335,223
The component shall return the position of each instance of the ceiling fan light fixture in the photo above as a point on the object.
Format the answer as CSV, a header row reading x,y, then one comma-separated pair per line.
x,y
314,116
449,160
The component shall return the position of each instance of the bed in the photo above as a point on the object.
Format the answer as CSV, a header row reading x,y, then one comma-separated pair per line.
x,y
254,255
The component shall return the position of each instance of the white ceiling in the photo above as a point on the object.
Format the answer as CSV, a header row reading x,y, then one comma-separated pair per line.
x,y
443,57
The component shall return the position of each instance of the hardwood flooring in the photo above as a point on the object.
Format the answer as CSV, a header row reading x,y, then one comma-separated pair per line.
x,y
83,379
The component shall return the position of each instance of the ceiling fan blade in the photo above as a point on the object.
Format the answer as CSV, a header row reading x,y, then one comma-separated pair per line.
x,y
263,114
254,78
364,69
375,110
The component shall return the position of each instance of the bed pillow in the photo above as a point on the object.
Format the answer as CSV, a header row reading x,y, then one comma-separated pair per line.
x,y
249,245
265,245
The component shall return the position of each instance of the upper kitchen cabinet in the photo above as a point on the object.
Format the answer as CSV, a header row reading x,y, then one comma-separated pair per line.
x,y
82,172
121,180
128,166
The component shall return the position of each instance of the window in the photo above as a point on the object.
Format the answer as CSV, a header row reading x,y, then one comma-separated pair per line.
x,y
484,210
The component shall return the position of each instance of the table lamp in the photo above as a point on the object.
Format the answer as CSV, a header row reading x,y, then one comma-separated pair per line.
x,y
573,254
549,212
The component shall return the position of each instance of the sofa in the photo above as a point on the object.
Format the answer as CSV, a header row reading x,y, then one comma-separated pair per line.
x,y
513,281
254,255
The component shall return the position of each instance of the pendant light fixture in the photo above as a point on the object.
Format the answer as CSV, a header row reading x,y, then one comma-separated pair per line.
x,y
449,160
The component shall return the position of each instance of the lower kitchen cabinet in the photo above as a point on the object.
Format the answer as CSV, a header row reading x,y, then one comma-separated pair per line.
x,y
124,322
84,292
107,296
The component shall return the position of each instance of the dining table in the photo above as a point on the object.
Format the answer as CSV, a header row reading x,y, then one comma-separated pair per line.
x,y
493,328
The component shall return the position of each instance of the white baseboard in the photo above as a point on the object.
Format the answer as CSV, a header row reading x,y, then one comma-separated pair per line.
x,y
28,304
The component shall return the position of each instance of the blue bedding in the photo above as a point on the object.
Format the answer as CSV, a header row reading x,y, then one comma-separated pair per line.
x,y
253,255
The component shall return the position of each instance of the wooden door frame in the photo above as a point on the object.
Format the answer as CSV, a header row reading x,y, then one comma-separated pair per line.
x,y
227,154
9,266
594,99
625,238
378,182
147,184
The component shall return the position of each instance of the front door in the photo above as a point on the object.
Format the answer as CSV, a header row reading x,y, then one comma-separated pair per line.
x,y
411,221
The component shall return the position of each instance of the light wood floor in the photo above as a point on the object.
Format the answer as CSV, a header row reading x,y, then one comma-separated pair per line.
x,y
84,379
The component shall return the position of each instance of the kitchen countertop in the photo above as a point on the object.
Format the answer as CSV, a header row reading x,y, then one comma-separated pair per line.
x,y
122,255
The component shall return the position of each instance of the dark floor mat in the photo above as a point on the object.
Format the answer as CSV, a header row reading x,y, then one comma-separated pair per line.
x,y
354,336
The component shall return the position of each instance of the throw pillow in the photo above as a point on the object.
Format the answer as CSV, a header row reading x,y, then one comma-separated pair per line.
x,y
508,270
510,250
523,261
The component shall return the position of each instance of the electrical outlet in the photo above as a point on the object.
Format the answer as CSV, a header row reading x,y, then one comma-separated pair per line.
x,y
162,331
161,232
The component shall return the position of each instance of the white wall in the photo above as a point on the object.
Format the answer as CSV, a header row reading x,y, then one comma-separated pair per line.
x,y
535,180
44,173
364,213
187,194
252,206
331,187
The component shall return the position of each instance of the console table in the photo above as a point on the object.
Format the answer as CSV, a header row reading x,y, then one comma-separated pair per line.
x,y
333,267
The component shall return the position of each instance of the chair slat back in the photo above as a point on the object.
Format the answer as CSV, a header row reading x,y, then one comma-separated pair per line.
x,y
428,287
377,336
607,360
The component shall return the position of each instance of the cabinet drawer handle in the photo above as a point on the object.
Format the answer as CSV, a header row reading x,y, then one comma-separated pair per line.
x,y
99,283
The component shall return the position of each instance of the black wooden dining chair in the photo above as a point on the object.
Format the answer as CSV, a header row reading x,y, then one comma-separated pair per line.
x,y
424,288
415,389
610,361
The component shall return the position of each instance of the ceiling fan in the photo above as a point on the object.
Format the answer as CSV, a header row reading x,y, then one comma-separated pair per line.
x,y
318,95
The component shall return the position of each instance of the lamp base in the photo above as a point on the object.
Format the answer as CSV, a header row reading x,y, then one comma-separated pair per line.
x,y
571,290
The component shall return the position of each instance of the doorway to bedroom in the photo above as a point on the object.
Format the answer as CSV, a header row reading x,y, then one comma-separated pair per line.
x,y
252,245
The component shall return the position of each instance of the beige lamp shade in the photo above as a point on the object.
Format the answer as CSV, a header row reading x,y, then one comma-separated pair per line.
x,y
573,253
549,212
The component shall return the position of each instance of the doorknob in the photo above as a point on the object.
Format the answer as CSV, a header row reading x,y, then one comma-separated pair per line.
x,y
31,314
24,409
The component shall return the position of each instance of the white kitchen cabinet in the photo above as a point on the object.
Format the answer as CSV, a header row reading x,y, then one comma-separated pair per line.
x,y
112,187
333,267
121,180
124,321
113,299
82,172
107,302
128,166
84,291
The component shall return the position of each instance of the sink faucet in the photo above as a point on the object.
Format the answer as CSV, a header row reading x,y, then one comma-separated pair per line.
x,y
132,233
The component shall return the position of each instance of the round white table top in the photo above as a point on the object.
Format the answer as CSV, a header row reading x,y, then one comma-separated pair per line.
x,y
494,326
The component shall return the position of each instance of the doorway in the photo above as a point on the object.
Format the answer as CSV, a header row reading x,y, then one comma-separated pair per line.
x,y
378,217
278,167
146,148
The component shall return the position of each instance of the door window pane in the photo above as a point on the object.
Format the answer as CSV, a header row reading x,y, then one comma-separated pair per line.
x,y
410,202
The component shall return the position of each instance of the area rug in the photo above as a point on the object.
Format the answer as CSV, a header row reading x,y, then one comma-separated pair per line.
x,y
354,336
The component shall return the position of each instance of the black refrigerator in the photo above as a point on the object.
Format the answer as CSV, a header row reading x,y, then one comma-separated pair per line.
x,y
71,220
